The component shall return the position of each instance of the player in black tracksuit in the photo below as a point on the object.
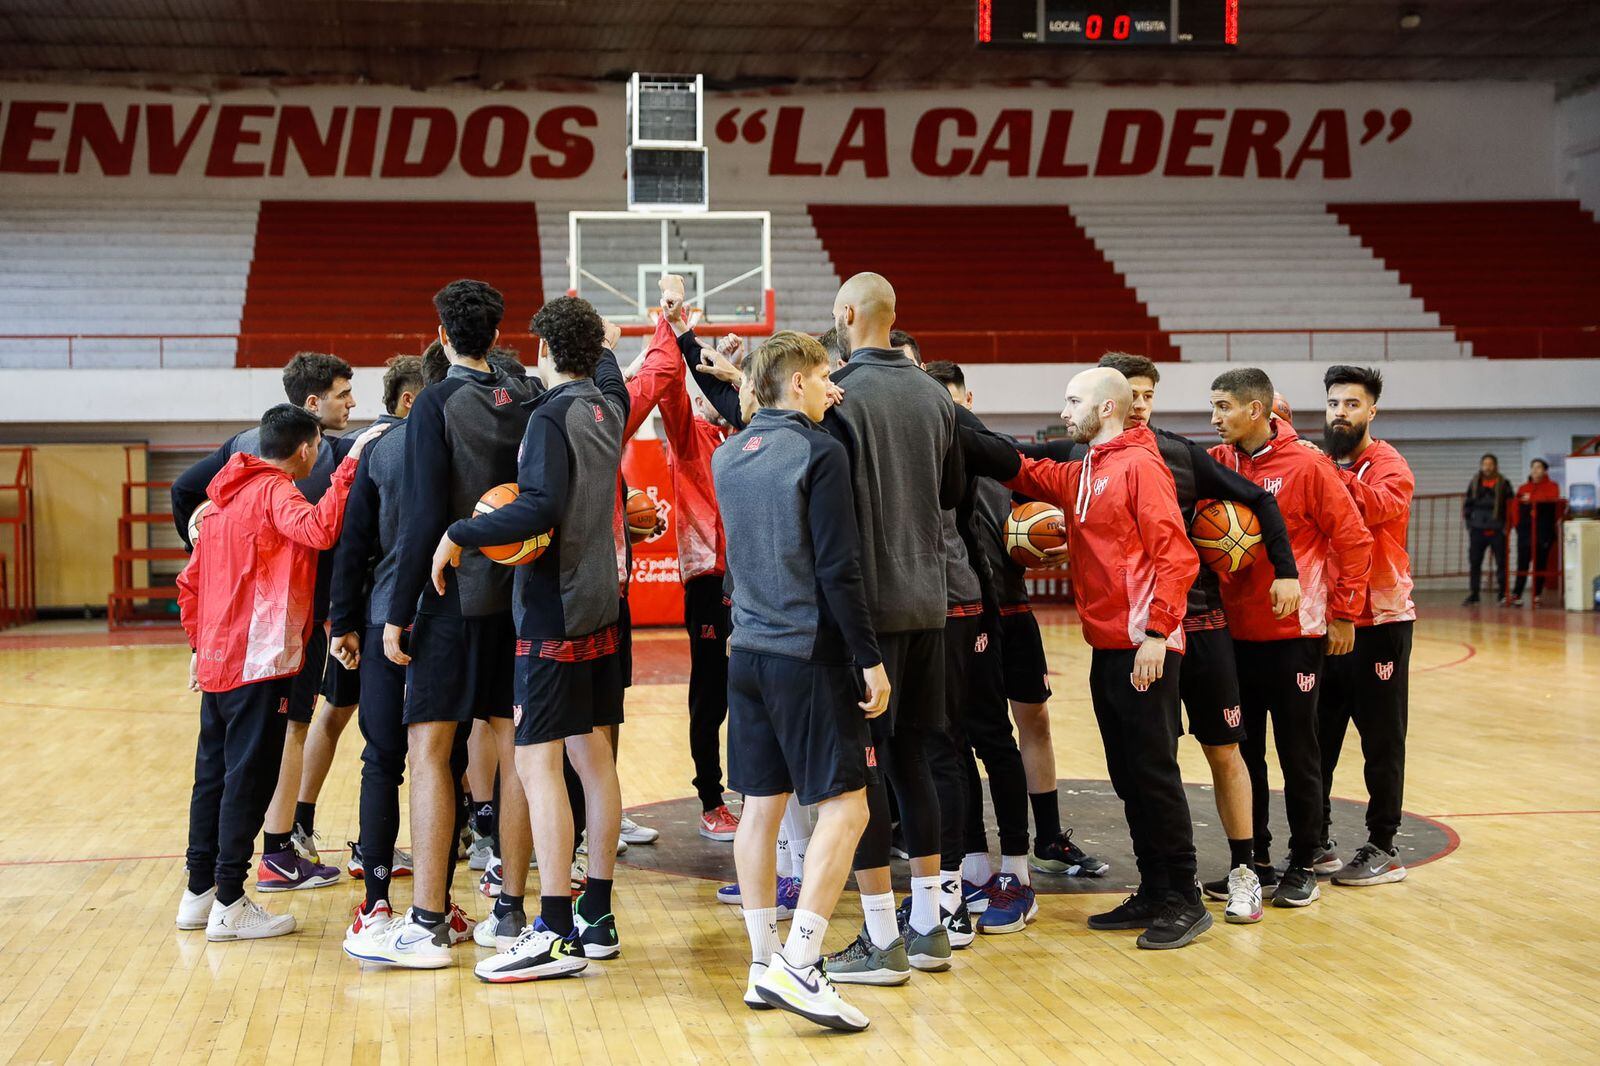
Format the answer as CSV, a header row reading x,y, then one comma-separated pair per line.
x,y
569,673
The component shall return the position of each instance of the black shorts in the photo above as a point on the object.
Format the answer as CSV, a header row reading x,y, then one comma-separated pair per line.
x,y
795,727
461,668
915,664
960,645
1208,682
340,687
1027,675
625,643
986,674
556,700
308,682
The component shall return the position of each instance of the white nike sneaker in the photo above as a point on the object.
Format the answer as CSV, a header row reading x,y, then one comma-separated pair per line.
x,y
245,919
405,942
752,998
634,833
481,853
583,845
500,933
194,911
537,955
1244,897
808,993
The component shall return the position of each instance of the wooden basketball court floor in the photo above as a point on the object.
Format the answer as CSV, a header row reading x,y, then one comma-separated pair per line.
x,y
1491,953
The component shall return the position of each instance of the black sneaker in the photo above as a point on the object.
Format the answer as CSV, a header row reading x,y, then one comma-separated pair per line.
x,y
1266,873
1298,888
959,925
1470,601
1135,912
1179,922
1062,856
597,939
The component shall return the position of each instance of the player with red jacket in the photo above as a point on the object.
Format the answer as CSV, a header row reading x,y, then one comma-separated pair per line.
x,y
246,603
1370,686
1280,660
1132,565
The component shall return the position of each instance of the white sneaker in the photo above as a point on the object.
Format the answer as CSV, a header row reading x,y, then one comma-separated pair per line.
x,y
583,845
245,919
306,844
538,954
369,922
404,942
499,933
752,998
580,872
1244,897
194,911
634,833
808,993
480,853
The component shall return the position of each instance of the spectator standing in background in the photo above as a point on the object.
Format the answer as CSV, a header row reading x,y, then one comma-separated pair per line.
x,y
1534,512
1484,511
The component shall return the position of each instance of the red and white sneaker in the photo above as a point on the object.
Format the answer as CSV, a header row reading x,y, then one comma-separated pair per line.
x,y
370,922
719,824
493,879
358,869
460,925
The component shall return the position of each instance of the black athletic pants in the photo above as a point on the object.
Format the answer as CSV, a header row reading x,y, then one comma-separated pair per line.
x,y
383,760
901,736
235,771
948,753
1528,560
1480,541
1370,687
984,728
705,617
1140,731
1283,678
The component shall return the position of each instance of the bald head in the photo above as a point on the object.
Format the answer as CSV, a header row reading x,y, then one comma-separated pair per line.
x,y
1097,400
863,311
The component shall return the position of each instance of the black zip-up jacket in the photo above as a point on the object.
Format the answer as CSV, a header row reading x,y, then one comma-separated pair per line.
x,y
365,560
567,599
1486,502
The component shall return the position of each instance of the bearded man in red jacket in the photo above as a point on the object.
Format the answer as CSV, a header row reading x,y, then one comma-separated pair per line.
x,y
1132,565
245,601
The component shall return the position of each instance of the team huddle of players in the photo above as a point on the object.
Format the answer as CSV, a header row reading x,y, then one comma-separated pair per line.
x,y
852,611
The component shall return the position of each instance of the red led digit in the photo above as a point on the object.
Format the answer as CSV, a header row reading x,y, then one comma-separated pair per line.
x,y
1092,27
1121,26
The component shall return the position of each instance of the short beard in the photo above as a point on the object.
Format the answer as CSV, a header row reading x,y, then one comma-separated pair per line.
x,y
1341,441
1084,432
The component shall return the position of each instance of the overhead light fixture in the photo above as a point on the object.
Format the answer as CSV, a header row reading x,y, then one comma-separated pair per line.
x,y
1410,20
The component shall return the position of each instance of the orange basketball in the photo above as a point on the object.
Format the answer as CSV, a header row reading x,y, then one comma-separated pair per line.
x,y
1031,529
509,554
1281,408
640,515
1227,535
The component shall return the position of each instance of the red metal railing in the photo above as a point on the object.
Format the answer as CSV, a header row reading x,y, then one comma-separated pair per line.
x,y
18,588
140,512
977,346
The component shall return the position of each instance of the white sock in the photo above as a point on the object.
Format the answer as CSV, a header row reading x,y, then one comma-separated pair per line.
x,y
785,860
797,829
882,927
949,891
804,947
763,928
975,868
1016,866
925,903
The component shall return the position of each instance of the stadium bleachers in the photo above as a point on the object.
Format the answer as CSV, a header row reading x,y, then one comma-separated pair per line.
x,y
99,267
1516,278
1025,271
371,267
1244,267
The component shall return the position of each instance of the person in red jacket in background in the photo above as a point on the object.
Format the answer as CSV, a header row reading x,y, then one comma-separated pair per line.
x,y
1132,565
1280,660
1535,514
245,601
1370,686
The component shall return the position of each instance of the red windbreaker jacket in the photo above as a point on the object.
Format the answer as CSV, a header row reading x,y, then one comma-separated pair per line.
x,y
1129,554
245,598
1381,484
1332,548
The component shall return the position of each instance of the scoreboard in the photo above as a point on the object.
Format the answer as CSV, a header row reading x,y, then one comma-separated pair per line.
x,y
1109,23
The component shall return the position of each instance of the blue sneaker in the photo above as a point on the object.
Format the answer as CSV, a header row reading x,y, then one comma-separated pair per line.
x,y
976,897
729,894
788,896
1012,905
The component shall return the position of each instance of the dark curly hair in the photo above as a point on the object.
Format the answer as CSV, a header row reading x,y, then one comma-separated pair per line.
x,y
470,312
435,364
1365,376
312,374
574,332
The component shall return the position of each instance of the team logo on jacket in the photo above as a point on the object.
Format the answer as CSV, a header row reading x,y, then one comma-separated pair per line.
x,y
1307,682
1273,485
599,415
502,397
753,444
1232,716
872,756
283,705
982,644
708,632
1100,484
1384,670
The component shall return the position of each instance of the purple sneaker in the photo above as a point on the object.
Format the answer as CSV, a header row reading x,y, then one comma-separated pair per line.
x,y
788,896
285,871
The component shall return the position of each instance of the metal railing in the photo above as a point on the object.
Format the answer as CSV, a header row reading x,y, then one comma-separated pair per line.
x,y
18,588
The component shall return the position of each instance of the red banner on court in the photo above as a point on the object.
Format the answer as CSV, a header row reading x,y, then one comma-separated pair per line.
x,y
655,594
